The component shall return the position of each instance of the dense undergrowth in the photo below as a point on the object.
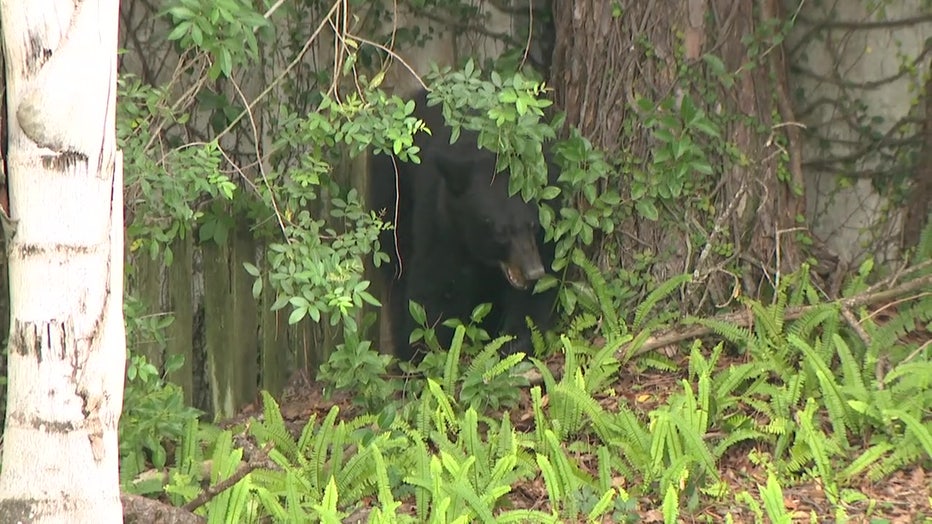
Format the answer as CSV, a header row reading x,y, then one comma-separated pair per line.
x,y
806,387
795,388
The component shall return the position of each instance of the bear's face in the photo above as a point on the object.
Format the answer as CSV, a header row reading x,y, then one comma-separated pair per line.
x,y
498,230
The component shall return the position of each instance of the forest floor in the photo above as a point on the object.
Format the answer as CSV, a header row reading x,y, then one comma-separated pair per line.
x,y
903,497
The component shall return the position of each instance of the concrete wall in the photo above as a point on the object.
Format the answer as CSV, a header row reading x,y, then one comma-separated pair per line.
x,y
840,50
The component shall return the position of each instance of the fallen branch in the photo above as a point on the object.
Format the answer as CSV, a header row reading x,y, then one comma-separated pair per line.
x,y
220,487
746,319
137,508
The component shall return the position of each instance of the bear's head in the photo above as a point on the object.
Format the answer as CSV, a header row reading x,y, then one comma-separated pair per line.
x,y
495,228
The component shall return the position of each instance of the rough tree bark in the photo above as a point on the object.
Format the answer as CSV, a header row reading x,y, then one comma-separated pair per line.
x,y
65,249
603,59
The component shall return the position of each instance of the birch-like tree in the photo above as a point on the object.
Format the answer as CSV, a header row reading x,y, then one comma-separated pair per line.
x,y
67,345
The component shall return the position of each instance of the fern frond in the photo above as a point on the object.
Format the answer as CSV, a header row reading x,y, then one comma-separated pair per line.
x,y
417,449
538,343
802,291
900,325
924,246
914,427
503,366
851,369
474,446
384,491
812,319
671,504
733,377
611,322
768,320
358,477
910,377
738,336
318,454
831,395
635,437
569,402
603,366
659,362
694,447
865,460
272,428
570,476
819,446
903,454
774,505
451,364
580,323
735,437
661,292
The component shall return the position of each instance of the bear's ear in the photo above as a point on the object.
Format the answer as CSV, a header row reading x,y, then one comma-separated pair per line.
x,y
456,173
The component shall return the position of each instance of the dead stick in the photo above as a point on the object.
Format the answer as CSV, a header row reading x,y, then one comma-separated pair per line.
x,y
227,483
744,319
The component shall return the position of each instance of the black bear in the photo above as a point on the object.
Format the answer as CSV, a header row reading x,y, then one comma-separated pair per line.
x,y
459,239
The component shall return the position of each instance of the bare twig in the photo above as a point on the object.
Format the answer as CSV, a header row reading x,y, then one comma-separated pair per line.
x,y
229,482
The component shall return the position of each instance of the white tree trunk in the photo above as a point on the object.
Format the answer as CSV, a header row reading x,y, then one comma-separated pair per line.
x,y
67,339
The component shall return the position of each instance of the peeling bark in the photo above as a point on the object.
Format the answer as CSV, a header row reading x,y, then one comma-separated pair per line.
x,y
65,246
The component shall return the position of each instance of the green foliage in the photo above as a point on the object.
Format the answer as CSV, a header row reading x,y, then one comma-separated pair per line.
x,y
490,380
154,411
678,161
355,366
318,269
816,398
167,193
154,416
804,395
224,29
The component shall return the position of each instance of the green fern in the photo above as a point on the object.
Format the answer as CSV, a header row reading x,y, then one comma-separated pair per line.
x,y
772,496
739,336
800,289
864,461
602,367
451,364
229,505
658,362
317,454
906,452
768,320
612,323
924,246
661,292
859,283
814,319
272,428
820,447
580,324
671,505
896,328
832,397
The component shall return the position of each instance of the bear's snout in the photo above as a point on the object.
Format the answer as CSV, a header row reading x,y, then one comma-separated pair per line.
x,y
524,264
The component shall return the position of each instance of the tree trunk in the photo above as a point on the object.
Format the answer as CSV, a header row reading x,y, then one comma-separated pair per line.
x,y
67,338
918,208
609,53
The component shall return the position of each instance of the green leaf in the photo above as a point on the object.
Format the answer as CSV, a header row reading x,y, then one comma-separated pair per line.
x,y
647,209
297,314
